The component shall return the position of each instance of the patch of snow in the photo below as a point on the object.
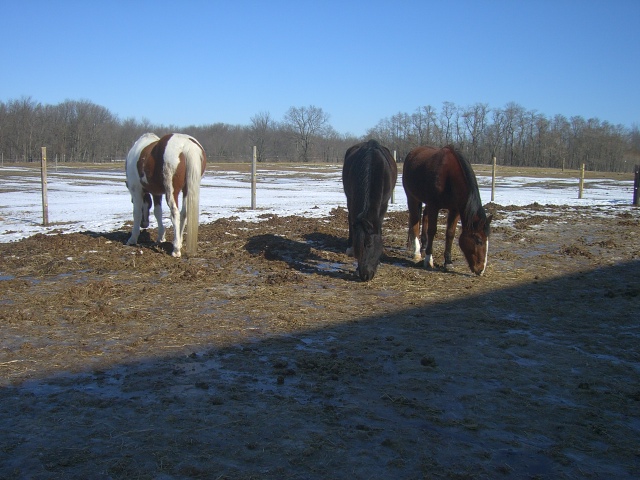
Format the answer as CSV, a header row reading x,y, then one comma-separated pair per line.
x,y
81,200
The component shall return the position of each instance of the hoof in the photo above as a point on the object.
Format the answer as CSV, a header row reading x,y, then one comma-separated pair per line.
x,y
131,241
349,252
176,254
448,267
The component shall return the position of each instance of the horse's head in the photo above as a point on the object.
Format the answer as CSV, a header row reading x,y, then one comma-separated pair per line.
x,y
367,248
146,206
474,243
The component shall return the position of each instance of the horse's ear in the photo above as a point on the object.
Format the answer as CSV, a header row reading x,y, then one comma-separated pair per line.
x,y
486,225
480,223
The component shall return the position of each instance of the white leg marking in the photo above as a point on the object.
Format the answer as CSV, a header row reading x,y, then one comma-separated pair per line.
x,y
428,261
177,227
183,217
157,211
414,250
137,218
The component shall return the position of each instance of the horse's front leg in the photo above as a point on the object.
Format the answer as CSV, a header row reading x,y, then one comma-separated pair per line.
x,y
349,251
413,235
452,223
429,229
157,211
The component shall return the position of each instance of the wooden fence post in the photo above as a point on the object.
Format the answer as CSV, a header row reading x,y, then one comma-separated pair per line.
x,y
393,190
581,181
253,177
636,187
493,180
43,178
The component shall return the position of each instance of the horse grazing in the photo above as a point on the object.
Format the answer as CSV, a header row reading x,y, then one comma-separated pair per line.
x,y
169,165
369,175
444,179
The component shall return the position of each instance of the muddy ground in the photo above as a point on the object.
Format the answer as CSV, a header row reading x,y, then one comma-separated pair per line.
x,y
263,356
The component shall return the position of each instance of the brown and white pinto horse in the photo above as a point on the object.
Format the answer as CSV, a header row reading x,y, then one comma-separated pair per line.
x,y
443,179
169,165
369,176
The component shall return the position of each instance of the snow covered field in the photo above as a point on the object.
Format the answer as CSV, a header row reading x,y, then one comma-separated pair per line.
x,y
83,199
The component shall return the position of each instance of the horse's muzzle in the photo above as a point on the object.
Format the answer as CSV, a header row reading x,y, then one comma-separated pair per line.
x,y
365,276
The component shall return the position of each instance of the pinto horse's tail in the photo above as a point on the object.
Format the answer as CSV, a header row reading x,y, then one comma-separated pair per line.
x,y
196,161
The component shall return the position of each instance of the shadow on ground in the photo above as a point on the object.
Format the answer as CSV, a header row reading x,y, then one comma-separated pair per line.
x,y
537,381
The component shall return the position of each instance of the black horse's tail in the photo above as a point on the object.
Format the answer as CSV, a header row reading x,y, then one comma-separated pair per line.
x,y
369,176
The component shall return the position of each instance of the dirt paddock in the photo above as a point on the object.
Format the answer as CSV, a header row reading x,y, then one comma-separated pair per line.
x,y
263,356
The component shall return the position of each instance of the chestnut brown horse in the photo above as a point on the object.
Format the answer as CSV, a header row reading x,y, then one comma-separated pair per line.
x,y
369,176
169,165
443,179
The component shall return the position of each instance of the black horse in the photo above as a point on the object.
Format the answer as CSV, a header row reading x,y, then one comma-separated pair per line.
x,y
369,176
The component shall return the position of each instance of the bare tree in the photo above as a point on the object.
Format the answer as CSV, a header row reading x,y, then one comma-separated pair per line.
x,y
446,122
306,123
474,119
495,132
425,122
261,128
512,114
22,118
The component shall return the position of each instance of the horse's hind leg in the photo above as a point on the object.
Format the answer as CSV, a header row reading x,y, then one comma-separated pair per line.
x,y
183,216
138,205
413,236
452,223
429,229
172,202
157,211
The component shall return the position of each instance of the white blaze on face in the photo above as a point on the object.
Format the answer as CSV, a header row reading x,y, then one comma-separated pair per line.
x,y
486,256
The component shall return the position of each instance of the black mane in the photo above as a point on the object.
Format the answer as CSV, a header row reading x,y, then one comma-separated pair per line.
x,y
473,206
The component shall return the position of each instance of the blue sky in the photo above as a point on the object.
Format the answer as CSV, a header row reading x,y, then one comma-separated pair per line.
x,y
194,62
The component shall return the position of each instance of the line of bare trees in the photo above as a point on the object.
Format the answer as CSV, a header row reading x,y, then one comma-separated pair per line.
x,y
515,136
81,131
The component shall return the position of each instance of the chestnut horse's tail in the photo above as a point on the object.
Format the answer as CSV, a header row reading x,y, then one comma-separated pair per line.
x,y
196,161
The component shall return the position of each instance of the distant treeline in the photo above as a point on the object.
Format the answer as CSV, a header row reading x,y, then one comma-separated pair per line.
x,y
81,131
515,136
